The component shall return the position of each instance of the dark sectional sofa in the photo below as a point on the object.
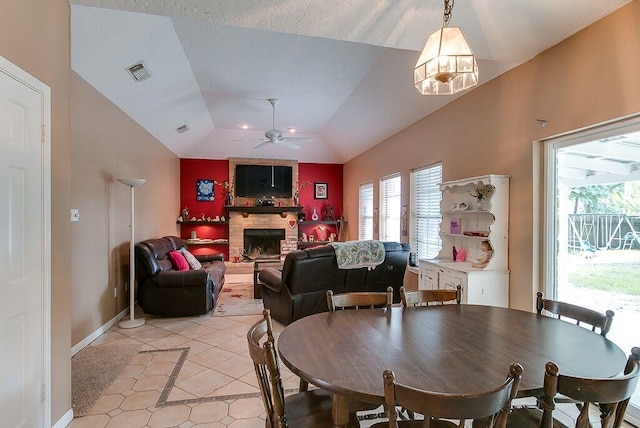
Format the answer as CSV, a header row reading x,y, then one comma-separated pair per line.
x,y
300,288
164,291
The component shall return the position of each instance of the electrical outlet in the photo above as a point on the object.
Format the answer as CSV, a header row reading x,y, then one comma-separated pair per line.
x,y
75,214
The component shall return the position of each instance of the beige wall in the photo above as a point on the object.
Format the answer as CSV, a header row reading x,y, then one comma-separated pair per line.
x,y
106,144
587,79
34,35
89,258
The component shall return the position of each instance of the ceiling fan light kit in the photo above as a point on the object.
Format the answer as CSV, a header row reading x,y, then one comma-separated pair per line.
x,y
447,64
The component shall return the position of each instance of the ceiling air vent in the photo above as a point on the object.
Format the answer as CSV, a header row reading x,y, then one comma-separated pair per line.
x,y
181,129
139,71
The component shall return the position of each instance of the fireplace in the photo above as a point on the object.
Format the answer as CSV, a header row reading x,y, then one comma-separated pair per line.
x,y
262,243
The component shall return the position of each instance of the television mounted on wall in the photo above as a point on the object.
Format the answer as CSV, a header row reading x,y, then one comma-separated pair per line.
x,y
257,181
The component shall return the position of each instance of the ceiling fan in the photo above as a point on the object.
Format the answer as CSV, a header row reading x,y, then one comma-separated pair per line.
x,y
275,136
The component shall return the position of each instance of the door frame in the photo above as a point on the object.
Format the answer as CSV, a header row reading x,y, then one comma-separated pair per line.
x,y
16,73
548,228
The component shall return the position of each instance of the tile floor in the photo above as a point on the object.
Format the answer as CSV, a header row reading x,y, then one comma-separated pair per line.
x,y
191,372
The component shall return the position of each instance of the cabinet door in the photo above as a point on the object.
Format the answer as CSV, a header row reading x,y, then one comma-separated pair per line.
x,y
428,277
449,280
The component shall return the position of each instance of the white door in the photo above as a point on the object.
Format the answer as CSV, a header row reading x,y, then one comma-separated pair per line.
x,y
24,250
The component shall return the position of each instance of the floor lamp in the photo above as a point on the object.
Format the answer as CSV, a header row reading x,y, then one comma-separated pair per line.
x,y
132,322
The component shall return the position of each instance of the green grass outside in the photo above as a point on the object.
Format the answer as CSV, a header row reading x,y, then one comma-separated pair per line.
x,y
619,277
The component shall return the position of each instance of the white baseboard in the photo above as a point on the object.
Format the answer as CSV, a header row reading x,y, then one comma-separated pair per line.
x,y
93,336
634,421
64,420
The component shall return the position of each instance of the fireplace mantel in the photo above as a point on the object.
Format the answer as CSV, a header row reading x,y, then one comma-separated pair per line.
x,y
262,210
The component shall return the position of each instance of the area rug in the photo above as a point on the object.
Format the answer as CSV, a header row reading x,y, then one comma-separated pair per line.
x,y
92,371
237,299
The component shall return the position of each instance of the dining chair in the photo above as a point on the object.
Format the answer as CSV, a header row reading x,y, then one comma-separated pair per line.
x,y
611,395
303,409
359,299
425,297
493,404
577,313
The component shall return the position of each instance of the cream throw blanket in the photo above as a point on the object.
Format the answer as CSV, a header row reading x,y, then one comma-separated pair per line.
x,y
358,254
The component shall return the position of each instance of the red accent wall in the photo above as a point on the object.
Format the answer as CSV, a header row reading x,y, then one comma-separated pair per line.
x,y
192,170
320,173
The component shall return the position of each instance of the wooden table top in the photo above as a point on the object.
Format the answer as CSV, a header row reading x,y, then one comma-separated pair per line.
x,y
449,348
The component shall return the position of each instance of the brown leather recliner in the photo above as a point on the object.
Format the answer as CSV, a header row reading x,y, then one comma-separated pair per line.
x,y
299,290
165,291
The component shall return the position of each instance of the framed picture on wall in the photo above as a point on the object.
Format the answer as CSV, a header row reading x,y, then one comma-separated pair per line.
x,y
321,190
204,190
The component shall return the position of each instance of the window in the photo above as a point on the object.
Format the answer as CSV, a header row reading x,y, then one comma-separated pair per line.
x,y
425,211
390,193
366,211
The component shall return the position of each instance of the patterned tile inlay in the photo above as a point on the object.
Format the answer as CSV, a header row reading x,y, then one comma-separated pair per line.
x,y
166,391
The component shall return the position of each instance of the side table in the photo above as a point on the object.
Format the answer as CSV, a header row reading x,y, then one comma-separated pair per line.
x,y
257,266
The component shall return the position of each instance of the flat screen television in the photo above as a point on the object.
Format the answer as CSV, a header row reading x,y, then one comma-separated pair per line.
x,y
257,181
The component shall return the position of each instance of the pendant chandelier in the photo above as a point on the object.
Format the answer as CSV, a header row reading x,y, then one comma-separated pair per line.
x,y
446,65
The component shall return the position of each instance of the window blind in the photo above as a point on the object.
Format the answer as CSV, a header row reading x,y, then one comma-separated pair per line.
x,y
390,200
425,212
366,211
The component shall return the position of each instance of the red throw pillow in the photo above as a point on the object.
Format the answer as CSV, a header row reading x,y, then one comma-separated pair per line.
x,y
178,261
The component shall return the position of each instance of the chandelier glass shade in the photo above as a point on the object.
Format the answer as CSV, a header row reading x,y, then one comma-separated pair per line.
x,y
447,64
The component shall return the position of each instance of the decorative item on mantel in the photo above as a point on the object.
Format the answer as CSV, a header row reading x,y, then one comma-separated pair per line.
x,y
482,192
314,216
227,185
296,192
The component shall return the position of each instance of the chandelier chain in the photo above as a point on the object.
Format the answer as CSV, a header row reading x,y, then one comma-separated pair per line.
x,y
448,8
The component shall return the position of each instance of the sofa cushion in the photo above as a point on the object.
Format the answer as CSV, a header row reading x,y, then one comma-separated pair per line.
x,y
191,259
178,261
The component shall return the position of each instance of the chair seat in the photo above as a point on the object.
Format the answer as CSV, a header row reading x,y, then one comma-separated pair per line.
x,y
312,409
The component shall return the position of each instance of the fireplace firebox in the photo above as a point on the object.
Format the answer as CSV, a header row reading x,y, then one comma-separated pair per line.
x,y
262,243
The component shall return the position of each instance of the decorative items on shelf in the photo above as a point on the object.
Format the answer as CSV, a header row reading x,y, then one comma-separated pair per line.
x,y
314,216
184,216
321,231
487,253
482,192
455,226
327,213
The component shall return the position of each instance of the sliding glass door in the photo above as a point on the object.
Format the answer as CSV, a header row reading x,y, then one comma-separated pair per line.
x,y
591,254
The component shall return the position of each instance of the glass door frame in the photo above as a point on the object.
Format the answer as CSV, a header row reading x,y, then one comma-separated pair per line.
x,y
550,228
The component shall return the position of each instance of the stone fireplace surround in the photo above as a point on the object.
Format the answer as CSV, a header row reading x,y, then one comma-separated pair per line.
x,y
238,222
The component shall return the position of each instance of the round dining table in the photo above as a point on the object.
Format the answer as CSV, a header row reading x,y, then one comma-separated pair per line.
x,y
445,348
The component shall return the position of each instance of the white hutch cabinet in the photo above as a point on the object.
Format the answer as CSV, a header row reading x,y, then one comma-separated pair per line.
x,y
465,225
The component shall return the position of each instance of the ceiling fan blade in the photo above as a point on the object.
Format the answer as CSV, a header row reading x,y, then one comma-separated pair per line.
x,y
290,145
264,143
251,139
302,139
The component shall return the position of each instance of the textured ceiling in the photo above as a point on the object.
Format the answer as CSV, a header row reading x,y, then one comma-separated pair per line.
x,y
342,70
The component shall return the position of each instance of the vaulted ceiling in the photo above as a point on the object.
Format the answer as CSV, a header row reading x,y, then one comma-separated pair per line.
x,y
342,70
